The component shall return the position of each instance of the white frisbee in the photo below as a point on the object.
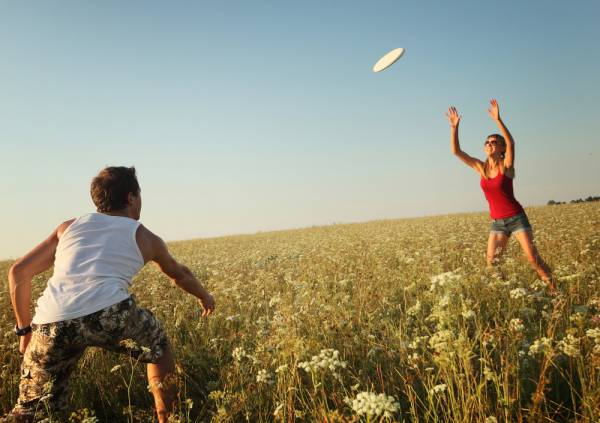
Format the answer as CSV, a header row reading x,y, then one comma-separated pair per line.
x,y
388,60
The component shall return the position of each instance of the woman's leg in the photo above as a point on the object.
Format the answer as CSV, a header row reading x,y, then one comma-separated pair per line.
x,y
495,247
525,238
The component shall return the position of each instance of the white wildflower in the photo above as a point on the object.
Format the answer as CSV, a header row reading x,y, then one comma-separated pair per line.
x,y
577,319
542,345
414,310
489,374
373,405
264,376
239,353
328,359
516,325
468,314
538,285
441,341
443,279
444,301
518,293
593,333
569,345
438,389
418,342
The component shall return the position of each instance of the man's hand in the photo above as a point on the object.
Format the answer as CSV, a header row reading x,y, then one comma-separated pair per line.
x,y
494,110
24,342
453,116
207,302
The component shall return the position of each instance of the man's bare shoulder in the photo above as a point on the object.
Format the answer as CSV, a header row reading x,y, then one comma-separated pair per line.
x,y
146,234
148,242
60,230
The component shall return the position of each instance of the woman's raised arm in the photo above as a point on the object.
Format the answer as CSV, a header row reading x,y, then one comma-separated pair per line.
x,y
454,120
509,154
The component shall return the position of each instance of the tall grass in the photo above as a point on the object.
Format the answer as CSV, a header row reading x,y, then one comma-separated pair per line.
x,y
314,324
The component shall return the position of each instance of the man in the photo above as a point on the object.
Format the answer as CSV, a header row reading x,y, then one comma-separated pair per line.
x,y
86,302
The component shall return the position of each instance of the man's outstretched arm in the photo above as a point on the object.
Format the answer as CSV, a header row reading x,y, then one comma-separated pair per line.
x,y
181,275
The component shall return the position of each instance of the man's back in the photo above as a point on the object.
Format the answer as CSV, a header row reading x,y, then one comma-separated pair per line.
x,y
96,257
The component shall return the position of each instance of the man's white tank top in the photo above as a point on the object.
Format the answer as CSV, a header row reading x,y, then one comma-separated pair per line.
x,y
96,259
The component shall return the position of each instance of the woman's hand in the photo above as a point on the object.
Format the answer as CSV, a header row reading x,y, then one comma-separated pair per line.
x,y
453,116
494,110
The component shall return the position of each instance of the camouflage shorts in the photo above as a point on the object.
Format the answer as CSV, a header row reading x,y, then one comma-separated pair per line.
x,y
55,348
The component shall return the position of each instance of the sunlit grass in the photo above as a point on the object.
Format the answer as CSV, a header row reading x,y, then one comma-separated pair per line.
x,y
310,321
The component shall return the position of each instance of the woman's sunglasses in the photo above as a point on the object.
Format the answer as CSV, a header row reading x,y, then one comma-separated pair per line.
x,y
491,142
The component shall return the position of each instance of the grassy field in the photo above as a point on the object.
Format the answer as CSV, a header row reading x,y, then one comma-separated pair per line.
x,y
392,320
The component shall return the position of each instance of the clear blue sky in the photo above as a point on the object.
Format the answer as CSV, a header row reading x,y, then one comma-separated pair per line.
x,y
248,116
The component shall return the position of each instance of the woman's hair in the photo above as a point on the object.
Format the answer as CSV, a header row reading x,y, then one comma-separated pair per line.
x,y
111,187
500,138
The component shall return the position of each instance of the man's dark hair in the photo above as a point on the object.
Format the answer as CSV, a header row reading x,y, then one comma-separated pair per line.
x,y
111,187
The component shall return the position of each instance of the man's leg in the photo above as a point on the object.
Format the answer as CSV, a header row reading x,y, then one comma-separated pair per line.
x,y
161,379
128,329
47,365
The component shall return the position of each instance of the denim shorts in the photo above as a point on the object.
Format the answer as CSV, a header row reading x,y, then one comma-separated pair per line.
x,y
511,224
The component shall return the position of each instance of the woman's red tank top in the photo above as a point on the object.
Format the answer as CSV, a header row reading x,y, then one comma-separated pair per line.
x,y
499,194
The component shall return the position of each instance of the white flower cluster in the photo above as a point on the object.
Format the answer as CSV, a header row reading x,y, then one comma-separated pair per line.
x,y
542,345
372,405
538,285
489,374
418,342
443,279
438,389
264,376
444,301
518,293
414,310
516,325
595,335
577,319
328,359
468,314
238,353
441,341
569,345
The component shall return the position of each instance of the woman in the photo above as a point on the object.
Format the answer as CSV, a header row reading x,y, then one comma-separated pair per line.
x,y
497,173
